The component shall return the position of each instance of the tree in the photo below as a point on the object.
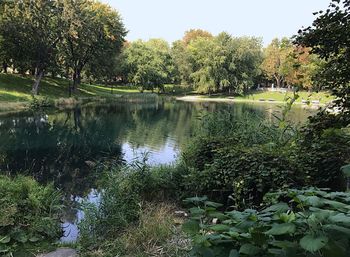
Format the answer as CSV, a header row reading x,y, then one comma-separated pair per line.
x,y
149,64
224,63
180,57
30,31
194,34
275,64
245,65
329,38
301,67
94,32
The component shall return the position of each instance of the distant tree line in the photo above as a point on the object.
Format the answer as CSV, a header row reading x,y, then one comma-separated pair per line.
x,y
84,40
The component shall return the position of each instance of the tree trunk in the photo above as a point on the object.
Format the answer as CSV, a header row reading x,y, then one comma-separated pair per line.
x,y
4,67
278,81
38,76
76,79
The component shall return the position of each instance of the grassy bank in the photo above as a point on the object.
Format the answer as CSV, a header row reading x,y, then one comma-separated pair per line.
x,y
15,92
263,96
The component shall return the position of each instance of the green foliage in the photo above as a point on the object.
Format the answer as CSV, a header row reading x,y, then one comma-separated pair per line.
x,y
30,214
117,208
224,63
60,37
37,103
321,158
243,157
333,24
292,223
93,36
237,161
148,64
123,221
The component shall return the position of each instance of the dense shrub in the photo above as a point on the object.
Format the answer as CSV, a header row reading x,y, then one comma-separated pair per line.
x,y
246,173
234,168
29,214
321,158
293,223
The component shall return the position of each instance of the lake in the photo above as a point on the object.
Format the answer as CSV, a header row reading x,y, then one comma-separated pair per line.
x,y
66,147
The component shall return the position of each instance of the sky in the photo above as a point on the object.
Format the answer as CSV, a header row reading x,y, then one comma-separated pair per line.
x,y
169,19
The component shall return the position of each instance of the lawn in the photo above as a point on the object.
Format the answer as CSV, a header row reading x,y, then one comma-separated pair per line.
x,y
323,97
16,88
266,96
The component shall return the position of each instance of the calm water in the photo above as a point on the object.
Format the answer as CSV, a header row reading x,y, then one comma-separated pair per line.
x,y
63,146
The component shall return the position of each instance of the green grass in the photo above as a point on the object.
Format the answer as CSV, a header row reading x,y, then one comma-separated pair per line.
x,y
16,88
15,92
323,97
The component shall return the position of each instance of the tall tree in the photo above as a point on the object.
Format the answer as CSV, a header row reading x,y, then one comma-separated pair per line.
x,y
92,31
149,64
275,63
224,63
329,37
194,34
30,31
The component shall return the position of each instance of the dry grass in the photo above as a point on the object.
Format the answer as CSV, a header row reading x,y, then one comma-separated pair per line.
x,y
157,234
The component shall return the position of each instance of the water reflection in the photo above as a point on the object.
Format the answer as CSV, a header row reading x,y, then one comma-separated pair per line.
x,y
62,147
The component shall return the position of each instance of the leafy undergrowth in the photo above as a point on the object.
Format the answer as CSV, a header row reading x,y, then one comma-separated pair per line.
x,y
292,223
30,216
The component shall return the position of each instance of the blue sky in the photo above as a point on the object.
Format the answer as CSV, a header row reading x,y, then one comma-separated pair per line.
x,y
170,19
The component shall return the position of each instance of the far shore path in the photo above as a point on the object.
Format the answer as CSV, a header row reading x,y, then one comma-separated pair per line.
x,y
200,98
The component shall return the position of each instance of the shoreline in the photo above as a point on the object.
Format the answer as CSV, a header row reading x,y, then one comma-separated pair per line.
x,y
199,98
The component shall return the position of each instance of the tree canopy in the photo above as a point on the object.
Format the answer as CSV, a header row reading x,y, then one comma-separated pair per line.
x,y
329,38
59,36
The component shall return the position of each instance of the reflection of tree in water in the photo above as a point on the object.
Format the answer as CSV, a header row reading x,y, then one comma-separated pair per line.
x,y
59,150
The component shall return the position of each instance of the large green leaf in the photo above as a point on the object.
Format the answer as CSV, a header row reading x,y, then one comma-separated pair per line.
x,y
313,243
191,227
278,207
20,236
212,204
346,170
234,253
337,228
249,249
340,218
281,229
4,239
219,227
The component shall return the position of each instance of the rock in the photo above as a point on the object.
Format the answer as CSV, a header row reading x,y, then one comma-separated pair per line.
x,y
62,252
180,213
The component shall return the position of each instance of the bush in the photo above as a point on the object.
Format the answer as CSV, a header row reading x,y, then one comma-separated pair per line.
x,y
321,157
233,168
30,214
293,223
244,174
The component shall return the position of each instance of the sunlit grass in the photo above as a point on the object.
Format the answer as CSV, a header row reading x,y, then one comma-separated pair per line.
x,y
266,96
14,88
